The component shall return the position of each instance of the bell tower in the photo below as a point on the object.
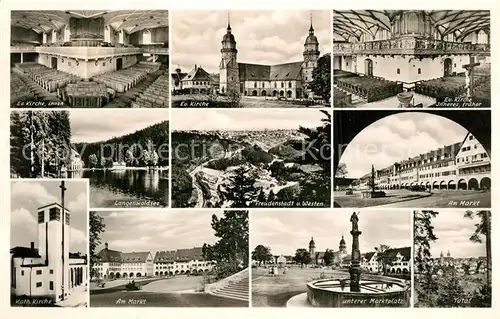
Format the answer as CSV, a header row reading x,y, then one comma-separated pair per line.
x,y
228,68
311,54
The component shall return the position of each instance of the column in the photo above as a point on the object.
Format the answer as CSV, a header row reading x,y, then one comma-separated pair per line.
x,y
22,57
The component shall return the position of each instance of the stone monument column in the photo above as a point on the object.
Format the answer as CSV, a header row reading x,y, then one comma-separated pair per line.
x,y
355,268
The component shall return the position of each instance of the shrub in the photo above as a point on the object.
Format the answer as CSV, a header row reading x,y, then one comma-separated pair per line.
x,y
132,286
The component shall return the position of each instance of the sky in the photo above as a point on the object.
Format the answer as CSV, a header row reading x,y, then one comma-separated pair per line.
x,y
153,231
398,137
244,119
453,232
102,124
286,231
262,37
28,195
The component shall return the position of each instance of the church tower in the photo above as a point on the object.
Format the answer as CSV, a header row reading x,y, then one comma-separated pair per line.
x,y
311,55
312,247
228,68
342,246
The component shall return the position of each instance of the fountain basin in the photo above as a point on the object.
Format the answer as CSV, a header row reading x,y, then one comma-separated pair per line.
x,y
379,292
405,97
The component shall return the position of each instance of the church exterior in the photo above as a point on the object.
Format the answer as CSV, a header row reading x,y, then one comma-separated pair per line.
x,y
49,271
288,80
339,257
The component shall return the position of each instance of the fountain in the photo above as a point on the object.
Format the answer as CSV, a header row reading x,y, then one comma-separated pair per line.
x,y
356,290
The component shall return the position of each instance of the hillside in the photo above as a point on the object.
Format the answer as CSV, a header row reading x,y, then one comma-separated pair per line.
x,y
155,136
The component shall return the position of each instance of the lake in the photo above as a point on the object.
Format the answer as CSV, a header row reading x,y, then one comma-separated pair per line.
x,y
127,188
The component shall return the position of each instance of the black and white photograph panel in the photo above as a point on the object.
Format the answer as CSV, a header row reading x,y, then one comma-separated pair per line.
x,y
89,58
49,241
412,159
411,58
124,155
452,258
169,259
242,158
251,59
331,259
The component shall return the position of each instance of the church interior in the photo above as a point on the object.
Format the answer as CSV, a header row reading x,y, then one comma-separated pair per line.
x,y
402,58
89,59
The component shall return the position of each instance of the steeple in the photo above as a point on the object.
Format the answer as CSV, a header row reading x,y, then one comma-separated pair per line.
x,y
228,22
311,29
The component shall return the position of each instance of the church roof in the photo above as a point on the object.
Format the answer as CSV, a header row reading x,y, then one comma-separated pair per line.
x,y
287,71
24,252
254,72
135,257
279,72
178,76
311,39
197,74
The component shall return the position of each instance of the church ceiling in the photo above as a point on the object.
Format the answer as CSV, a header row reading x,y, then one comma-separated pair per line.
x,y
357,22
129,20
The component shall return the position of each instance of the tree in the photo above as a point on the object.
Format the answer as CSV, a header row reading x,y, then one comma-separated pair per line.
x,y
261,254
182,187
385,257
92,161
329,257
451,292
240,189
341,170
483,228
302,257
231,249
271,197
96,228
321,78
262,196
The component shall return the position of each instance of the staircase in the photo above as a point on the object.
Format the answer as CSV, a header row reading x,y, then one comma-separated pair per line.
x,y
233,287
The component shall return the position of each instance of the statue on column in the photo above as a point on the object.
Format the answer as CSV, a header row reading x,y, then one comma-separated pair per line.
x,y
354,221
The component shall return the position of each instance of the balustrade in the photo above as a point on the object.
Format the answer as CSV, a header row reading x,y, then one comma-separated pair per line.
x,y
410,46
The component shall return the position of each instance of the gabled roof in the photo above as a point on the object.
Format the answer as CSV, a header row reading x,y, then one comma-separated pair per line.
x,y
369,255
254,72
404,251
197,74
287,71
109,255
135,257
179,255
178,76
24,252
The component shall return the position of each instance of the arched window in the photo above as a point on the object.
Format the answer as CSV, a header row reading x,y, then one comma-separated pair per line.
x,y
107,34
121,37
419,71
44,38
282,85
289,84
412,26
275,84
255,85
398,71
146,37
482,37
54,36
66,34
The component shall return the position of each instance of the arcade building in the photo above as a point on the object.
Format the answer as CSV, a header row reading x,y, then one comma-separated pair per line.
x,y
461,166
400,264
114,264
411,58
49,271
86,58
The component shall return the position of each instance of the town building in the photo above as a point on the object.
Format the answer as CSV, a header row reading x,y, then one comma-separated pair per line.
x,y
288,80
181,262
400,261
465,165
116,264
50,270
